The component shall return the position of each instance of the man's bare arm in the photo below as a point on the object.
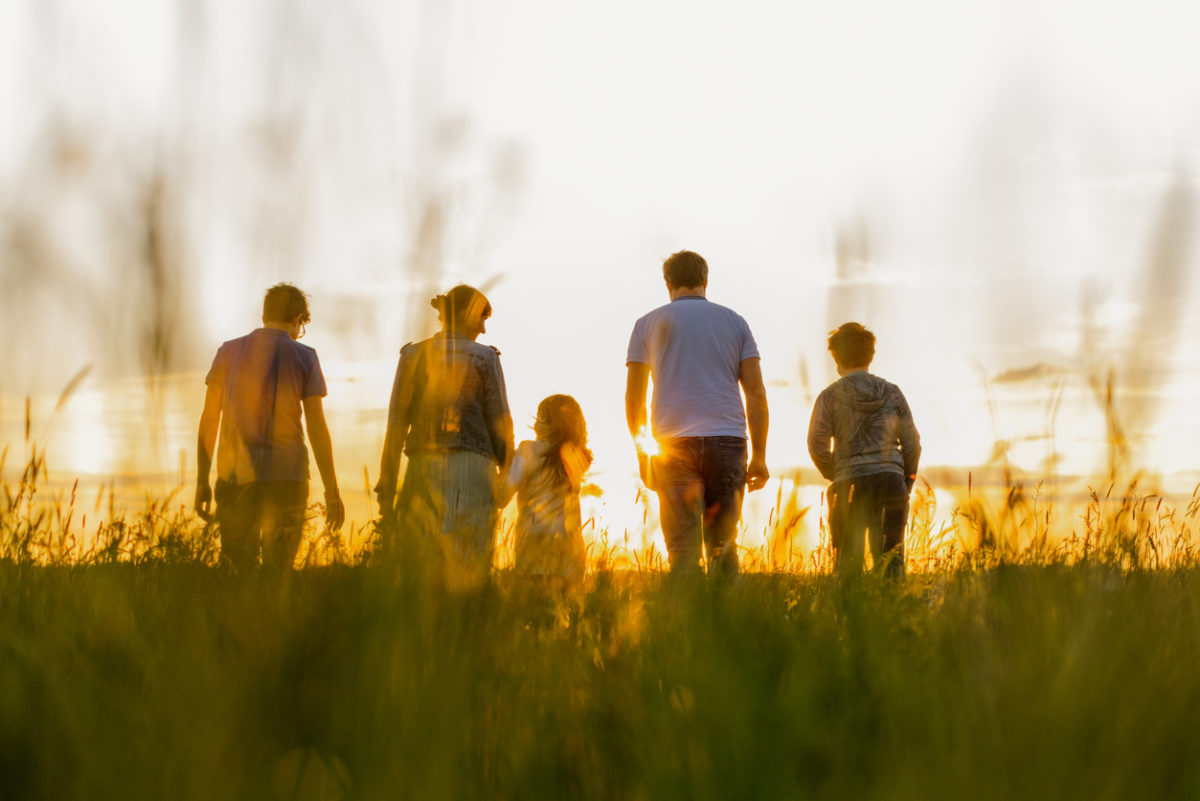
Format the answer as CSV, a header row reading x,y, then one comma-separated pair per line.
x,y
636,381
206,443
758,419
322,447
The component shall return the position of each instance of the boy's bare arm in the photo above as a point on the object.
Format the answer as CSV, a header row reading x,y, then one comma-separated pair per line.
x,y
758,419
322,447
206,443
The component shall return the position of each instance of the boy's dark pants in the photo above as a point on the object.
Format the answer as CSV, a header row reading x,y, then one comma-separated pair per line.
x,y
266,514
874,507
700,482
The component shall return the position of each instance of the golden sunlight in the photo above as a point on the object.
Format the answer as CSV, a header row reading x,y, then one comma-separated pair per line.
x,y
646,443
936,237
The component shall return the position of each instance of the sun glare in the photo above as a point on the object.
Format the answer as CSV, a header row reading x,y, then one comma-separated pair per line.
x,y
646,443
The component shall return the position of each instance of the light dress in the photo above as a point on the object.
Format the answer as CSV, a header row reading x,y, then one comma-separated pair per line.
x,y
549,531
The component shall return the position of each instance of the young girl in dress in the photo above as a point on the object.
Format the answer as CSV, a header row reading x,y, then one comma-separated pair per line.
x,y
546,475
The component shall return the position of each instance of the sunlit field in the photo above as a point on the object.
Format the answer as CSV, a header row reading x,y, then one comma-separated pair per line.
x,y
1026,655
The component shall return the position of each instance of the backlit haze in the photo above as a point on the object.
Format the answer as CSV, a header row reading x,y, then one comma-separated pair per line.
x,y
1004,192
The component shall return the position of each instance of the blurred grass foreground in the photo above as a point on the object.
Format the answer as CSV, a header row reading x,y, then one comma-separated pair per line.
x,y
175,681
132,665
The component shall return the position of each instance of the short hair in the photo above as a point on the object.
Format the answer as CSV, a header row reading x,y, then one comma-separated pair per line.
x,y
684,269
852,345
457,306
283,302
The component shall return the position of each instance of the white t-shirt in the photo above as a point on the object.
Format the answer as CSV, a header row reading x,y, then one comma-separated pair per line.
x,y
694,349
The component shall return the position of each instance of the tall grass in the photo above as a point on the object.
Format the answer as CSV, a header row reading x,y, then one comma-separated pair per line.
x,y
159,680
1118,523
1006,665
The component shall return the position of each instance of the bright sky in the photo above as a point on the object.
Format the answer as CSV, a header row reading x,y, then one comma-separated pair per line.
x,y
982,184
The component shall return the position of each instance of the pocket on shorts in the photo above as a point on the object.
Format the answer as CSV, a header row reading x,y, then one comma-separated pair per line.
x,y
734,462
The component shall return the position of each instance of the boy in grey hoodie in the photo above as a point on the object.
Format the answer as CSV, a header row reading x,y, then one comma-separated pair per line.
x,y
863,440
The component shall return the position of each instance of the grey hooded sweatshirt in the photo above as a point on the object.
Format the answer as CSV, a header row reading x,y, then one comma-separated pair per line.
x,y
861,425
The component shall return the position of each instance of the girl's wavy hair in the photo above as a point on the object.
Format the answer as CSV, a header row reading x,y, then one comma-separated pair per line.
x,y
559,421
459,304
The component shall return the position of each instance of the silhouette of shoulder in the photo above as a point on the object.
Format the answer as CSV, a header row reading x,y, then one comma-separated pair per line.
x,y
284,338
692,306
861,390
483,353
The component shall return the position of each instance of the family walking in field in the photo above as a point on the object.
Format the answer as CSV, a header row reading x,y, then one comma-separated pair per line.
x,y
448,413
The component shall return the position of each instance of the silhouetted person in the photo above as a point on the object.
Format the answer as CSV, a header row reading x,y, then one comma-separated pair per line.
x,y
259,388
863,440
546,475
449,414
701,357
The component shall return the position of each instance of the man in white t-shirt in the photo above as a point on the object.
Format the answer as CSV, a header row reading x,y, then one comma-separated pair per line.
x,y
701,358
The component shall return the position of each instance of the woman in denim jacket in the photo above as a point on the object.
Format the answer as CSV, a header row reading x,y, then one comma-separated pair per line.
x,y
449,414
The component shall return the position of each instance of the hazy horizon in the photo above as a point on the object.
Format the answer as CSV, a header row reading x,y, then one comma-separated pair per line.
x,y
1005,194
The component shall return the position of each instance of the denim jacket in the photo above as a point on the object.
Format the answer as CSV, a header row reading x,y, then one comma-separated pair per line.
x,y
448,394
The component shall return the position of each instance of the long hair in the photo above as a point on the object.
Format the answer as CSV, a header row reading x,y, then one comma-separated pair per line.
x,y
560,425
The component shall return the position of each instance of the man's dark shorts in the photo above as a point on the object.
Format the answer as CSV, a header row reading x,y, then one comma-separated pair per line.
x,y
262,514
700,483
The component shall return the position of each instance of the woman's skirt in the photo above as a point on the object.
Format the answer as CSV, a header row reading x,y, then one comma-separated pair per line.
x,y
447,506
